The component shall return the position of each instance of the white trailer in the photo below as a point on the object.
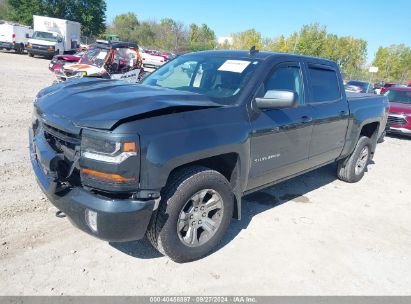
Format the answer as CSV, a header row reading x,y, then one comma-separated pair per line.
x,y
14,36
53,36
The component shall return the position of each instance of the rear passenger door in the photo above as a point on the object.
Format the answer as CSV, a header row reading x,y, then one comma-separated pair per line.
x,y
329,111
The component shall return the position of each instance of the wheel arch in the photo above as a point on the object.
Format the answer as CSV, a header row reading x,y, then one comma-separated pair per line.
x,y
229,165
371,130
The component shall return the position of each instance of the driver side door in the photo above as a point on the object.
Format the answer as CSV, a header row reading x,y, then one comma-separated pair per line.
x,y
280,138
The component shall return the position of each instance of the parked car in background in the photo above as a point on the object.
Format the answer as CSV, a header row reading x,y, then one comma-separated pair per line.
x,y
116,60
112,37
59,61
386,86
356,86
14,36
399,118
53,36
168,55
151,61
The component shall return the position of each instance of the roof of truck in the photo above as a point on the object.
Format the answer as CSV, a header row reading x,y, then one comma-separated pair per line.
x,y
262,55
114,45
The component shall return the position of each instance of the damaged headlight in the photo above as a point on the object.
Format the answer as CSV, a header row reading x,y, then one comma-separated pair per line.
x,y
109,162
107,150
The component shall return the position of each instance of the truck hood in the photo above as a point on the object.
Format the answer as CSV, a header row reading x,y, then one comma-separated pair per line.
x,y
102,104
42,42
397,107
68,57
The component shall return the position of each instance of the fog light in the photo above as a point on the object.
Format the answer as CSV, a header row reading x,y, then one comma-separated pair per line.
x,y
91,219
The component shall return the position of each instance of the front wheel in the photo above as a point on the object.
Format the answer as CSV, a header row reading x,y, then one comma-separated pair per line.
x,y
352,169
194,214
31,55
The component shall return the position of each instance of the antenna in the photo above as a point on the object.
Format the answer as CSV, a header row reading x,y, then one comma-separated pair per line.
x,y
253,50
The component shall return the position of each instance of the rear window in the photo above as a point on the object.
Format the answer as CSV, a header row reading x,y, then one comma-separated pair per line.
x,y
399,96
358,84
324,85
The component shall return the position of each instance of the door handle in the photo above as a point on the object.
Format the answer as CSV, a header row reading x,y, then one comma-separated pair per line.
x,y
306,119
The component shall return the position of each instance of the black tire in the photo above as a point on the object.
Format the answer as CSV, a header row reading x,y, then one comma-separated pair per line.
x,y
382,137
183,185
20,49
346,170
31,55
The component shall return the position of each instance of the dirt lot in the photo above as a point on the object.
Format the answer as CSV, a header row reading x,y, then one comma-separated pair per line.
x,y
312,235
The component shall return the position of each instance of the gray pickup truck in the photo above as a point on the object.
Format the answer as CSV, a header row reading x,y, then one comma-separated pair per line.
x,y
172,157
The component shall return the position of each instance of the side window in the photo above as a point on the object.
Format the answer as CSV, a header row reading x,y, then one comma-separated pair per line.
x,y
286,78
324,85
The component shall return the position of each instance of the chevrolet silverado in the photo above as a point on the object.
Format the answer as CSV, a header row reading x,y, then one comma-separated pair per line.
x,y
172,157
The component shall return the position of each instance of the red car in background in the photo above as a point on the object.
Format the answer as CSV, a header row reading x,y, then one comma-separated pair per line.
x,y
59,61
385,87
399,118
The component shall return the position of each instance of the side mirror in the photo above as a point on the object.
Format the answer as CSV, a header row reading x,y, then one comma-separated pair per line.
x,y
27,36
276,99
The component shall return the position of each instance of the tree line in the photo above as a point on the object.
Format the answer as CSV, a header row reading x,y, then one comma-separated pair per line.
x,y
394,62
167,34
313,40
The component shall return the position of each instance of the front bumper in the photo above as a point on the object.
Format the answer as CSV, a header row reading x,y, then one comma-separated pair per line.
x,y
41,52
8,45
402,131
118,220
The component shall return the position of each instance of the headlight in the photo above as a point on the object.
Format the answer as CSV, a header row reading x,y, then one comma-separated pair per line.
x,y
109,162
106,150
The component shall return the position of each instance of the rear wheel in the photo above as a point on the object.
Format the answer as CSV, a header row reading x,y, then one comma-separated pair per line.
x,y
193,216
20,49
31,55
352,169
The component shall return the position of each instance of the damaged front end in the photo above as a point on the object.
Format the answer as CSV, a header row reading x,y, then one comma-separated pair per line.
x,y
92,177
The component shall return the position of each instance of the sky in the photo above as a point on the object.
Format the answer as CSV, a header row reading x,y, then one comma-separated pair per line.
x,y
380,23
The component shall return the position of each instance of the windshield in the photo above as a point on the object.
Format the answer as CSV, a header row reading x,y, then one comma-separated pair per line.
x,y
95,57
399,96
220,78
357,84
45,36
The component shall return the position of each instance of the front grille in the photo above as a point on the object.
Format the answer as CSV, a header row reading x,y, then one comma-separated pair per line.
x,y
396,120
62,141
66,145
40,47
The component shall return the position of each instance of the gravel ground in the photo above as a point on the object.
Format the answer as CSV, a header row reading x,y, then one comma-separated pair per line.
x,y
312,235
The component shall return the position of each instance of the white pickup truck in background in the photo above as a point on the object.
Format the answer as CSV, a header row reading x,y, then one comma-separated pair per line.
x,y
14,36
53,36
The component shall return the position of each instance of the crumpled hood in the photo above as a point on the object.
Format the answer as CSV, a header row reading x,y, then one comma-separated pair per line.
x,y
101,104
68,57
